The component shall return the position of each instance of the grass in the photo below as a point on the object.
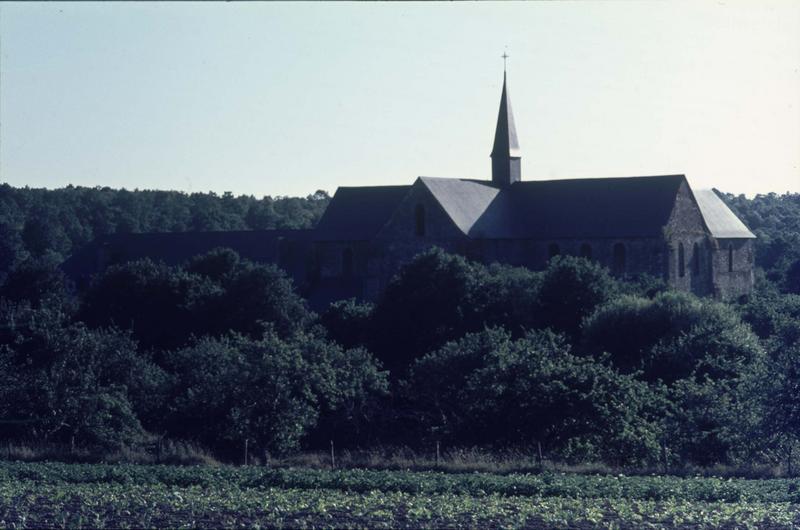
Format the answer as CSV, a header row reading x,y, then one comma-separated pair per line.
x,y
452,460
170,452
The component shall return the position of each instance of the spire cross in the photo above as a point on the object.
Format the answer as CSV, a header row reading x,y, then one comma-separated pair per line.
x,y
504,56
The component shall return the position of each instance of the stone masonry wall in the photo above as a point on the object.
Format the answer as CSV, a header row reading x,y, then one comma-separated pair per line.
x,y
733,264
642,255
685,230
398,242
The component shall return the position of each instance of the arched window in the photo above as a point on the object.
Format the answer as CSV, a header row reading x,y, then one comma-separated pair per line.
x,y
586,251
696,259
553,250
730,257
681,261
419,220
347,262
619,258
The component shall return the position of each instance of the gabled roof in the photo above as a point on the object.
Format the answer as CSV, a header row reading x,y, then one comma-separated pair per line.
x,y
607,207
597,207
550,209
465,201
720,220
356,214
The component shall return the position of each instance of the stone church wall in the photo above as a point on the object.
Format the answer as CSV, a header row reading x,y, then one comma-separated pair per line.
x,y
641,255
689,260
733,264
399,241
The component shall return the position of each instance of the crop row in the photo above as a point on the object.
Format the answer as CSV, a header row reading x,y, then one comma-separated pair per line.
x,y
655,488
26,504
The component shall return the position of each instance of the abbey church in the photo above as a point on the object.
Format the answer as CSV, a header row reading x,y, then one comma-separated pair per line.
x,y
656,225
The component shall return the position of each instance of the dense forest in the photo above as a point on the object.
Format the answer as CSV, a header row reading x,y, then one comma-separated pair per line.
x,y
42,224
220,351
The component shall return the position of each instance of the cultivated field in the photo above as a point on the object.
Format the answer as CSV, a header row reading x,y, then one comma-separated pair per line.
x,y
130,496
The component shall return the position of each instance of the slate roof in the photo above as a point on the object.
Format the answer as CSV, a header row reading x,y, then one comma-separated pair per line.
x,y
552,209
599,207
465,201
576,208
720,220
356,214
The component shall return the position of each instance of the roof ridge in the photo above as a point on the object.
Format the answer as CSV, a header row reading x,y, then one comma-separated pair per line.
x,y
629,177
372,187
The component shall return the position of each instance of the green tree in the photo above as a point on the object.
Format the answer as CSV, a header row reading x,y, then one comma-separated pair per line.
x,y
348,322
43,232
38,281
792,281
781,391
156,302
714,421
487,388
671,337
571,289
431,300
269,391
255,295
509,298
11,248
66,383
216,265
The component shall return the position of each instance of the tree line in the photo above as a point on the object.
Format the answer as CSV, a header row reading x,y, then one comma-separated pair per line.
x,y
50,224
220,350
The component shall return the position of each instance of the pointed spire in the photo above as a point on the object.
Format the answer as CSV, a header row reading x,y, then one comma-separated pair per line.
x,y
505,152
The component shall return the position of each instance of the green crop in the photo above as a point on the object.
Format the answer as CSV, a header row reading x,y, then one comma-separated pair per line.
x,y
127,496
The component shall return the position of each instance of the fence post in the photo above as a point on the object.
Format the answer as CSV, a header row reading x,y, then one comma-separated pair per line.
x,y
789,469
437,453
664,460
245,451
541,458
333,458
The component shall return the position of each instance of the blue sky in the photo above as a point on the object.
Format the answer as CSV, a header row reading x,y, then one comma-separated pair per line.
x,y
285,99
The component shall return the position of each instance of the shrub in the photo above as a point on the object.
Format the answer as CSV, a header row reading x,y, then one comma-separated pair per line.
x,y
68,384
489,388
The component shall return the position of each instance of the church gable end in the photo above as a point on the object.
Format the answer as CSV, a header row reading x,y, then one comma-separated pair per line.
x,y
731,247
689,257
420,220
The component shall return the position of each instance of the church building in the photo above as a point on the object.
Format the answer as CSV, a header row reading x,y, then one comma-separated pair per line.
x,y
656,225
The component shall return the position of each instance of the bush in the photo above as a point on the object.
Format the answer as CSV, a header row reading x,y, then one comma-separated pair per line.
x,y
68,384
348,321
488,388
671,337
269,391
571,289
430,301
154,301
439,297
216,293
